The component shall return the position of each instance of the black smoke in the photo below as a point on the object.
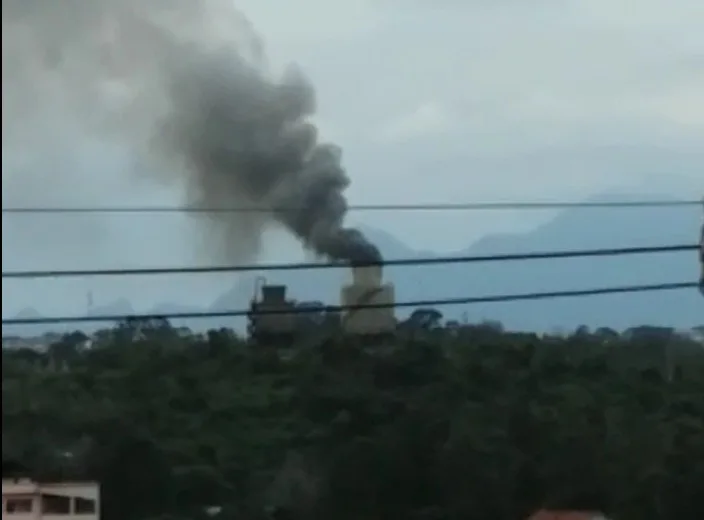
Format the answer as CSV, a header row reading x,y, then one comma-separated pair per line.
x,y
184,84
228,122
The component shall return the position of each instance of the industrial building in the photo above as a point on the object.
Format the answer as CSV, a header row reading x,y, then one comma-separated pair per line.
x,y
368,303
701,259
271,314
366,309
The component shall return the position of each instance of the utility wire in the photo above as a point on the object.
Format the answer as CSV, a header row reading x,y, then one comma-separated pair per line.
x,y
151,271
342,308
463,206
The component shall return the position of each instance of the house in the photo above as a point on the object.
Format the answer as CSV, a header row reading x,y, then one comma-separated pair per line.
x,y
25,499
545,514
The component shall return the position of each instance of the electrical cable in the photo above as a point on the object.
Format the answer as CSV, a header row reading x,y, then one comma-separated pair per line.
x,y
461,206
343,308
319,265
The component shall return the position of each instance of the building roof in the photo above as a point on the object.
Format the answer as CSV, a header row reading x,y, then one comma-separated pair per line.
x,y
545,514
27,486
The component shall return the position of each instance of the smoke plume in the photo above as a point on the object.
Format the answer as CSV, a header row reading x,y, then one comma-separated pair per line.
x,y
183,83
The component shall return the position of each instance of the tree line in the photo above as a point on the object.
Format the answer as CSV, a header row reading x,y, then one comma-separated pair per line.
x,y
438,423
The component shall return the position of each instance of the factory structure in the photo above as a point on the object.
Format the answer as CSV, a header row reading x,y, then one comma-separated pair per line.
x,y
368,303
701,258
366,308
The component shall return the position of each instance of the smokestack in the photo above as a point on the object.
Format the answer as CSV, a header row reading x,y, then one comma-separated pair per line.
x,y
701,257
367,275
368,302
200,97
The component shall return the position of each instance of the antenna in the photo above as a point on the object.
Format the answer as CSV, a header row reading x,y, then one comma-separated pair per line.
x,y
259,282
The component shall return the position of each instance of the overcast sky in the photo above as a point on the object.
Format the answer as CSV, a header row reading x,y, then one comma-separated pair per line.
x,y
433,101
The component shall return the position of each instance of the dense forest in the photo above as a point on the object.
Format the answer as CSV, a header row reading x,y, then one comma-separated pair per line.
x,y
468,422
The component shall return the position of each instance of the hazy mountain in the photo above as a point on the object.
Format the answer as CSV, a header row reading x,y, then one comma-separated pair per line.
x,y
572,229
577,228
119,307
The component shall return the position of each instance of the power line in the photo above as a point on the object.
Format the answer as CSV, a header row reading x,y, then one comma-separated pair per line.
x,y
463,206
318,265
340,308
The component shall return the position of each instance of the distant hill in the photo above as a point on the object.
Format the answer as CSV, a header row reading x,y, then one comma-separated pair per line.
x,y
572,229
575,228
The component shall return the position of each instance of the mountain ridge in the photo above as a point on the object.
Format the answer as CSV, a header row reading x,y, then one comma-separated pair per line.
x,y
572,228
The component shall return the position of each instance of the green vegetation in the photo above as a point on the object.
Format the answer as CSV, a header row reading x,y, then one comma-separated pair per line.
x,y
470,423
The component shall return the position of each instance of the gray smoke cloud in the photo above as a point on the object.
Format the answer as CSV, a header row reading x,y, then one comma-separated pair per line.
x,y
184,84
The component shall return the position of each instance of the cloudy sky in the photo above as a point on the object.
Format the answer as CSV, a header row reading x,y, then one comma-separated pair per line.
x,y
433,101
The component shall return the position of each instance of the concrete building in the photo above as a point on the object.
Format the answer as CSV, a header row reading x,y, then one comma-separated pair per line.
x,y
701,258
25,499
367,289
545,514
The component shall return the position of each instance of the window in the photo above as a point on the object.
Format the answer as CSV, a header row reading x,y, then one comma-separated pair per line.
x,y
84,506
56,505
18,505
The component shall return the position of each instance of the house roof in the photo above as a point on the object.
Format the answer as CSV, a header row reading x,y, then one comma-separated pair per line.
x,y
545,514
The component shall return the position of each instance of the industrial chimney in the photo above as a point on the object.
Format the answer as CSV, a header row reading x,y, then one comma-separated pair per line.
x,y
701,257
367,289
